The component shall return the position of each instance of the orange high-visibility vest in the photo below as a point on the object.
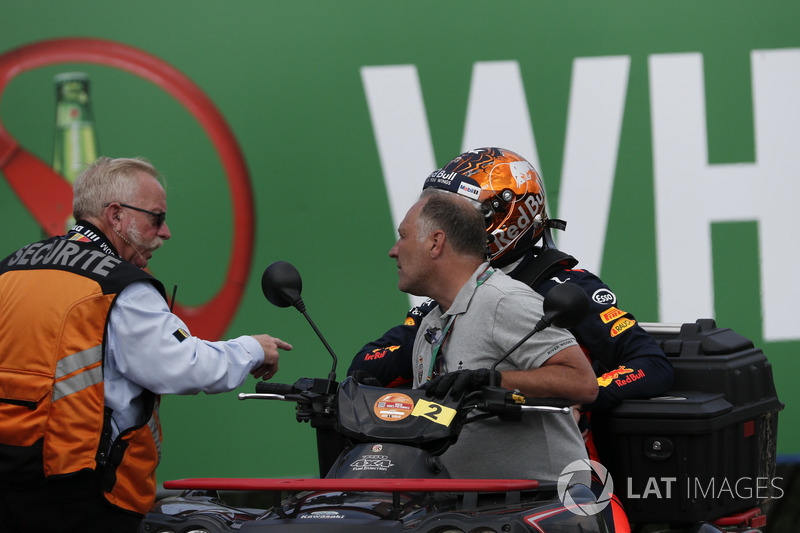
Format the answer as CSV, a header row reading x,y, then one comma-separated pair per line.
x,y
55,297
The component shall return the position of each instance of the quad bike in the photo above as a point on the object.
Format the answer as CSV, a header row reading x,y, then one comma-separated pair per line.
x,y
379,450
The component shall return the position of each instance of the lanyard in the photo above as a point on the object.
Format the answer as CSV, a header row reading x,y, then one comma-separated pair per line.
x,y
438,340
436,345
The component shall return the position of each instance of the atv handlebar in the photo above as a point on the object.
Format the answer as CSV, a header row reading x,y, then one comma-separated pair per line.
x,y
490,399
265,387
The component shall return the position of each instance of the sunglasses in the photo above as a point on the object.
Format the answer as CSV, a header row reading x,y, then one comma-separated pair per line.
x,y
159,217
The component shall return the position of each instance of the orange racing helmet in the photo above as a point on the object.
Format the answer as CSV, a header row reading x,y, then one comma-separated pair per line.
x,y
511,196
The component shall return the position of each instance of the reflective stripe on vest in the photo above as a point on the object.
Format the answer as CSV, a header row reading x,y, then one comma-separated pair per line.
x,y
91,372
155,429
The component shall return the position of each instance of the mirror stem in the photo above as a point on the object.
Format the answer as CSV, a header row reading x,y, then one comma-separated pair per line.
x,y
332,375
543,323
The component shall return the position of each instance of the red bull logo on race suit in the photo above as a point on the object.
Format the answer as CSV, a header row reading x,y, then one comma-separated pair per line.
x,y
616,376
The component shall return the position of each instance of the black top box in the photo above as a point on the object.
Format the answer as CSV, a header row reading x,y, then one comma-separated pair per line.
x,y
707,448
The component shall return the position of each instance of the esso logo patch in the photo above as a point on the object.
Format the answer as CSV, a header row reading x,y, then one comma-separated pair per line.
x,y
604,297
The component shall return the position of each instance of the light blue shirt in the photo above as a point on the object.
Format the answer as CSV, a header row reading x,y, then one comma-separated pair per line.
x,y
142,353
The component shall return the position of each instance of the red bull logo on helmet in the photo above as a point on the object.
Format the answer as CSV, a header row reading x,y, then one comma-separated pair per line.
x,y
453,182
523,172
442,177
527,183
505,236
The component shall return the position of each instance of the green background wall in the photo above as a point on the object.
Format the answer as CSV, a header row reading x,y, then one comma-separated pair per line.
x,y
288,76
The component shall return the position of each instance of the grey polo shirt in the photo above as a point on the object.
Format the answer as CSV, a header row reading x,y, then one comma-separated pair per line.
x,y
487,320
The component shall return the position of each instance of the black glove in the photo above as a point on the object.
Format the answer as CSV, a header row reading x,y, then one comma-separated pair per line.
x,y
459,381
365,378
